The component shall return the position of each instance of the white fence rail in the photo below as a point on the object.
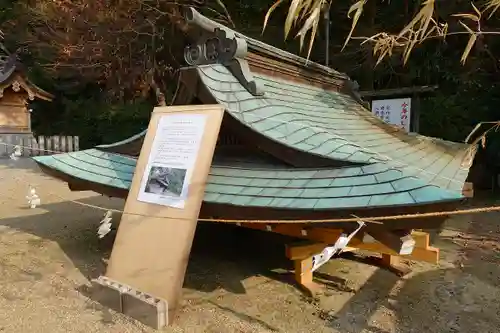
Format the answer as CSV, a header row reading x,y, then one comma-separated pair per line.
x,y
36,146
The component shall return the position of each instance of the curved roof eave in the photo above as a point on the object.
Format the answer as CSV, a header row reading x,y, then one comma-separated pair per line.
x,y
269,186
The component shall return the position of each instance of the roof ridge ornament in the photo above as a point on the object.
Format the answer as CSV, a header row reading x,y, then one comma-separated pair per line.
x,y
220,45
219,48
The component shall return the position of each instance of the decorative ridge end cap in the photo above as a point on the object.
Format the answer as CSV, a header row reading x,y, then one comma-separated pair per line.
x,y
218,48
192,16
219,45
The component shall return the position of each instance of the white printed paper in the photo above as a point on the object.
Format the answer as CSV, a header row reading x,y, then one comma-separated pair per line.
x,y
172,158
393,111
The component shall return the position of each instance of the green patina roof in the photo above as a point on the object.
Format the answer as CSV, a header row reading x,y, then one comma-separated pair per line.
x,y
268,185
334,125
389,166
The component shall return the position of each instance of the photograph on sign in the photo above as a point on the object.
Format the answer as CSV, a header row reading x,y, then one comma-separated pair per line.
x,y
166,181
394,111
172,158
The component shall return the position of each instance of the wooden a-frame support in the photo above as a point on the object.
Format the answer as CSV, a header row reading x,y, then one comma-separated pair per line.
x,y
317,238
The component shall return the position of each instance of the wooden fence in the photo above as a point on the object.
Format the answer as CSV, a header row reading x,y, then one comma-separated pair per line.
x,y
42,145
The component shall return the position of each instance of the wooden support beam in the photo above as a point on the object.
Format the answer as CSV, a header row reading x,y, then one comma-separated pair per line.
x,y
422,239
319,238
429,254
304,249
421,252
400,242
392,263
322,235
301,252
304,276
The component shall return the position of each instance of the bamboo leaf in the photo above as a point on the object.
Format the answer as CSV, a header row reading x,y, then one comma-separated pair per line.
x,y
468,48
313,34
292,14
410,25
478,12
472,132
308,25
305,4
427,16
269,12
492,5
358,8
470,43
411,44
468,16
431,30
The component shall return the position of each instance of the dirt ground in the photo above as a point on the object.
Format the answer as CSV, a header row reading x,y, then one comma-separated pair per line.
x,y
238,280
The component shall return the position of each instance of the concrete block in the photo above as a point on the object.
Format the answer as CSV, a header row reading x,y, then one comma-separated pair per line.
x,y
147,309
108,293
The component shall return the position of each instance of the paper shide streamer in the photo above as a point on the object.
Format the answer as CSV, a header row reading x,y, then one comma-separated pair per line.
x,y
105,225
328,252
16,153
33,198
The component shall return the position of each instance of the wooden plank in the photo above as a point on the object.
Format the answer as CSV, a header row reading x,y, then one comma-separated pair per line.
x,y
307,248
321,237
430,254
34,147
325,235
401,243
69,141
76,143
151,253
8,146
3,146
422,239
389,260
63,144
392,263
56,144
48,145
304,276
300,251
41,145
26,146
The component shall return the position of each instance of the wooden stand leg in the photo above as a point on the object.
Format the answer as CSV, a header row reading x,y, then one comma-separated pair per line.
x,y
304,276
392,263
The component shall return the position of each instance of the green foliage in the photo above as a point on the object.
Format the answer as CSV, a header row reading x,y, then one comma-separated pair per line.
x,y
93,119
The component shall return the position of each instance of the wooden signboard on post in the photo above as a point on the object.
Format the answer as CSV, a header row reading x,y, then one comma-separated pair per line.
x,y
148,262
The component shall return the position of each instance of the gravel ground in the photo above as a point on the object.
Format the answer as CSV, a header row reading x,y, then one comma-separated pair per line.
x,y
49,254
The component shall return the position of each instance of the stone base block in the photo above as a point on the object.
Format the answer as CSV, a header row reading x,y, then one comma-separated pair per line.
x,y
147,309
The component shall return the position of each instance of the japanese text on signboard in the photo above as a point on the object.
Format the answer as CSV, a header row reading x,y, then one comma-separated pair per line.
x,y
394,111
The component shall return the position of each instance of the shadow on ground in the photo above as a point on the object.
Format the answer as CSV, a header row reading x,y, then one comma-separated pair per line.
x,y
459,296
221,257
